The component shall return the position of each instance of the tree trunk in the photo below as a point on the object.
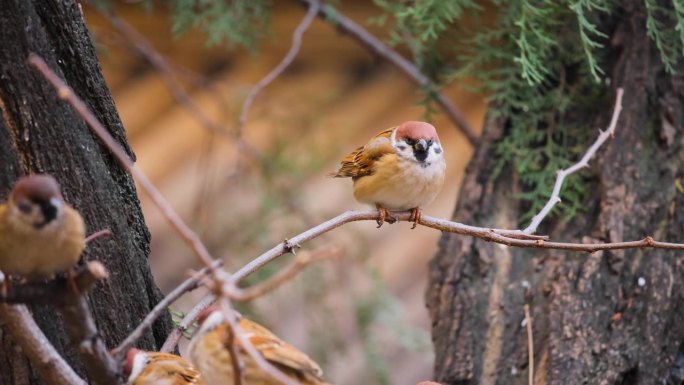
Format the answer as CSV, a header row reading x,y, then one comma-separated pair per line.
x,y
39,133
605,318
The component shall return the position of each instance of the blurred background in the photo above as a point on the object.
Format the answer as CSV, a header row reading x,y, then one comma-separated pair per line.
x,y
362,315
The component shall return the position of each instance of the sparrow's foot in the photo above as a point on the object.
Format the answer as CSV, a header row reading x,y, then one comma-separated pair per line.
x,y
4,288
416,213
385,216
71,281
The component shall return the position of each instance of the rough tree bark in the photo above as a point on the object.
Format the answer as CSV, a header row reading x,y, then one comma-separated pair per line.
x,y
39,133
603,318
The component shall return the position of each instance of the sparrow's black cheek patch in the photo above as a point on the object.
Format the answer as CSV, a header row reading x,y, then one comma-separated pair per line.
x,y
438,150
401,147
49,211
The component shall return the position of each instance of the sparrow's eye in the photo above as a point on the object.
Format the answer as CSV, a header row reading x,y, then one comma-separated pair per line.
x,y
24,207
429,142
410,142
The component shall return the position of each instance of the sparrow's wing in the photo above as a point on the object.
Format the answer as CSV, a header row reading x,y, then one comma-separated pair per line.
x,y
360,162
277,351
171,367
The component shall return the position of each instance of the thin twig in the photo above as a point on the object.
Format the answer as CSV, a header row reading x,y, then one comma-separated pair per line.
x,y
235,360
530,345
101,368
314,7
65,92
42,354
145,49
98,234
584,162
190,317
188,285
375,45
266,366
301,261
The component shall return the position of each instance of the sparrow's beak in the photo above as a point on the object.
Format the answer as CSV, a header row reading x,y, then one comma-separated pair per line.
x,y
421,145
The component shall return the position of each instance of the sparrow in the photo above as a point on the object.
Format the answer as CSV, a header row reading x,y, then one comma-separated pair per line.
x,y
401,168
209,352
154,368
40,234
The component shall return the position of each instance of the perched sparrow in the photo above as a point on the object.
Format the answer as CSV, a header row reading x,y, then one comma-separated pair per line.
x,y
209,352
401,168
40,234
153,368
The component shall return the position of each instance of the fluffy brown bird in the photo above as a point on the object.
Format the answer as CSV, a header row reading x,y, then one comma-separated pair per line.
x,y
401,168
208,352
40,234
154,368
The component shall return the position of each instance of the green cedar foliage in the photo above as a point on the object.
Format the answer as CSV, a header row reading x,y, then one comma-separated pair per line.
x,y
541,62
235,22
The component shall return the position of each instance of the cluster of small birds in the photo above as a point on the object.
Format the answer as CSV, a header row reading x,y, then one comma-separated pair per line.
x,y
401,168
210,354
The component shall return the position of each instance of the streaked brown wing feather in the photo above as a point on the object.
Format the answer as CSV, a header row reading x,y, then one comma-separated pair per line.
x,y
360,161
278,351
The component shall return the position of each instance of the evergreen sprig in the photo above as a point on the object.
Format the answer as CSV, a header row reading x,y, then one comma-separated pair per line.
x,y
235,22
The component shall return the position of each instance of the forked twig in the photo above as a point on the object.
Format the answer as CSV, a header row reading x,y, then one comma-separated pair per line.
x,y
584,162
302,260
188,285
375,45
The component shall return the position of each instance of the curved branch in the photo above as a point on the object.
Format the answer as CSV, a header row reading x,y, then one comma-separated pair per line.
x,y
188,285
43,356
506,237
375,45
176,334
584,162
314,8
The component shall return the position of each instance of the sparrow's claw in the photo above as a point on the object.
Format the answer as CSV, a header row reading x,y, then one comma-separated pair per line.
x,y
4,290
71,281
415,216
385,216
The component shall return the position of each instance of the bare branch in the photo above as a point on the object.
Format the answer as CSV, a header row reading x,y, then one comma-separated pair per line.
x,y
98,234
56,291
249,348
78,323
176,334
530,345
314,7
43,356
375,45
145,49
235,360
188,285
102,368
301,261
584,162
506,237
65,92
